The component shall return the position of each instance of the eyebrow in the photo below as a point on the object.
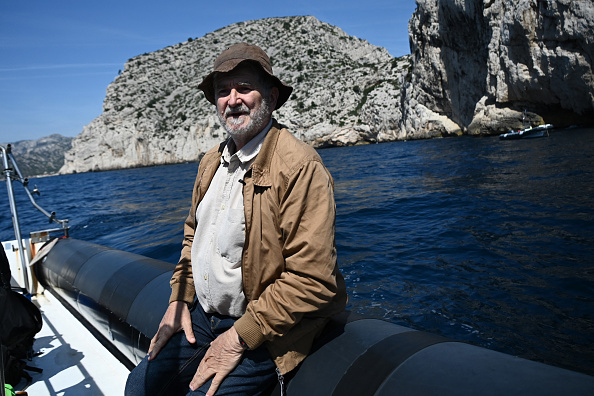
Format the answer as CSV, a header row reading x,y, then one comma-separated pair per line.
x,y
222,84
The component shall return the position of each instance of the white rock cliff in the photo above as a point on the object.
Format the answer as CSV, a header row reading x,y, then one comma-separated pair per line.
x,y
476,67
346,91
479,64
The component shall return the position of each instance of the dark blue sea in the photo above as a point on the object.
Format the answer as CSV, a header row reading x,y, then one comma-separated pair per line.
x,y
476,239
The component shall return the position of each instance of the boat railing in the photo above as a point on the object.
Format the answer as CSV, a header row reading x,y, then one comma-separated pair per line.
x,y
12,173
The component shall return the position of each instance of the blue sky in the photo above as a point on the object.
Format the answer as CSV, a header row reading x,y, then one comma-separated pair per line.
x,y
58,57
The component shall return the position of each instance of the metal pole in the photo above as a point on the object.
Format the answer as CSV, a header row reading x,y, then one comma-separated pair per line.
x,y
19,175
15,217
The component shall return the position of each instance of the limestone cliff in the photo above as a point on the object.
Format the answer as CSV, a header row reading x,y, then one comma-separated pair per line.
x,y
346,91
478,65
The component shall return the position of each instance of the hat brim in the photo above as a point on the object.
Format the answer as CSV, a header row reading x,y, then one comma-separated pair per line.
x,y
207,84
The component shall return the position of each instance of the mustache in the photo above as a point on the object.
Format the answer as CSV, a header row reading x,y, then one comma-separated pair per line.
x,y
240,109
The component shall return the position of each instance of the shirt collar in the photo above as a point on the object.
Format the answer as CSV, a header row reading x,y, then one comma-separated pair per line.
x,y
248,152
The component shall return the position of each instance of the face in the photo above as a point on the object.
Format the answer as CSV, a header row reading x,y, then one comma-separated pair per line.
x,y
244,103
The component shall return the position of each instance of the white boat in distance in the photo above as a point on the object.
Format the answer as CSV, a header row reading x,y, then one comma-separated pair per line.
x,y
528,133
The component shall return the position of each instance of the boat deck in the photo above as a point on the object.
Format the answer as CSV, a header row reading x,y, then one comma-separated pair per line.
x,y
72,360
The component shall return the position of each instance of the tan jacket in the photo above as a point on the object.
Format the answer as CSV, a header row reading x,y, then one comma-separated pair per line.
x,y
290,275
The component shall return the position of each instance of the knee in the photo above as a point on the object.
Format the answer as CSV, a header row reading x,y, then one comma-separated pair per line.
x,y
136,384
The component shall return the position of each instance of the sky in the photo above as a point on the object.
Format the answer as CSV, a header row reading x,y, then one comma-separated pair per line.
x,y
58,57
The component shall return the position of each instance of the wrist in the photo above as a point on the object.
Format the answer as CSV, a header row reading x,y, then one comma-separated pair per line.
x,y
242,342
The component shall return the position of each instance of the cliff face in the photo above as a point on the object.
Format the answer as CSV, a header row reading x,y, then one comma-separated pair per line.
x,y
345,91
478,65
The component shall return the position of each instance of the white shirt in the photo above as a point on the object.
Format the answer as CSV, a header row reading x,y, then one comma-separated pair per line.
x,y
220,233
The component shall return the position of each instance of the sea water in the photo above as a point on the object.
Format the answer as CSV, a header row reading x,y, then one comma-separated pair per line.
x,y
485,241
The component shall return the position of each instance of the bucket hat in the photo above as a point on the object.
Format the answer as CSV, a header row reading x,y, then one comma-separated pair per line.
x,y
232,57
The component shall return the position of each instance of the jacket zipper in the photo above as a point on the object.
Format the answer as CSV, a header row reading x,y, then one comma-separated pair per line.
x,y
281,381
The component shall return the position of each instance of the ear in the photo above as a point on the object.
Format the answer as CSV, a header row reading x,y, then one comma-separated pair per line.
x,y
273,97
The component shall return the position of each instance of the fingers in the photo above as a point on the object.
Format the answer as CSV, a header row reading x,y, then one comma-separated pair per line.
x,y
222,357
214,385
154,342
203,374
199,378
176,318
159,340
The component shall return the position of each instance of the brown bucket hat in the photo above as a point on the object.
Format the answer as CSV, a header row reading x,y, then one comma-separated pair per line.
x,y
232,57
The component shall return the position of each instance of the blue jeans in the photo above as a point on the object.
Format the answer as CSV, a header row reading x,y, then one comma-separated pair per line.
x,y
174,367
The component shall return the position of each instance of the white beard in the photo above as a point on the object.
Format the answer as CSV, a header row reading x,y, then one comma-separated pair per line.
x,y
258,120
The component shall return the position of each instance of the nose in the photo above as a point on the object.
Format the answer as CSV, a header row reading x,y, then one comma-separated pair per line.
x,y
234,98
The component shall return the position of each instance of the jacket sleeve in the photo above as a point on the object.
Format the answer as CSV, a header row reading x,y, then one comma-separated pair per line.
x,y
182,280
310,284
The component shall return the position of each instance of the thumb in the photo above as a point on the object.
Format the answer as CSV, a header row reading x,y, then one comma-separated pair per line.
x,y
188,329
189,334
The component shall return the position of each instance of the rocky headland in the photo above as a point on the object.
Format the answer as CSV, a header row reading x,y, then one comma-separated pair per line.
x,y
346,91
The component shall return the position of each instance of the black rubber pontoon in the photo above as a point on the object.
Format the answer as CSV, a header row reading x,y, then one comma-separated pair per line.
x,y
122,297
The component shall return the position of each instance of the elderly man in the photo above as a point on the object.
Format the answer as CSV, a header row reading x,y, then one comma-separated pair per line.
x,y
257,279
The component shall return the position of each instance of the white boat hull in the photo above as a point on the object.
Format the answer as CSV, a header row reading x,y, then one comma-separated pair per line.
x,y
528,133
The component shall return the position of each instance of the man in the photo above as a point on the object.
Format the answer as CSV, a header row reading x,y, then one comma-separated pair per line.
x,y
257,279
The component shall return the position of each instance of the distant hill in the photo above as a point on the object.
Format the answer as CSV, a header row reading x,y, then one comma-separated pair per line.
x,y
39,157
347,91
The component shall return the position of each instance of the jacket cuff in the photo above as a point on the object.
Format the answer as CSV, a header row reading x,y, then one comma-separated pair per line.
x,y
182,292
249,330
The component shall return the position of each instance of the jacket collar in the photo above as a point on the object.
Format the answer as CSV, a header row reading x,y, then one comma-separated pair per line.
x,y
261,166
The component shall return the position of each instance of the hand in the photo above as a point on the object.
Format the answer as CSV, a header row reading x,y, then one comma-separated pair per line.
x,y
177,318
221,358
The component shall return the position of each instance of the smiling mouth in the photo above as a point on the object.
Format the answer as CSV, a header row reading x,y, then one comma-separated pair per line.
x,y
237,112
